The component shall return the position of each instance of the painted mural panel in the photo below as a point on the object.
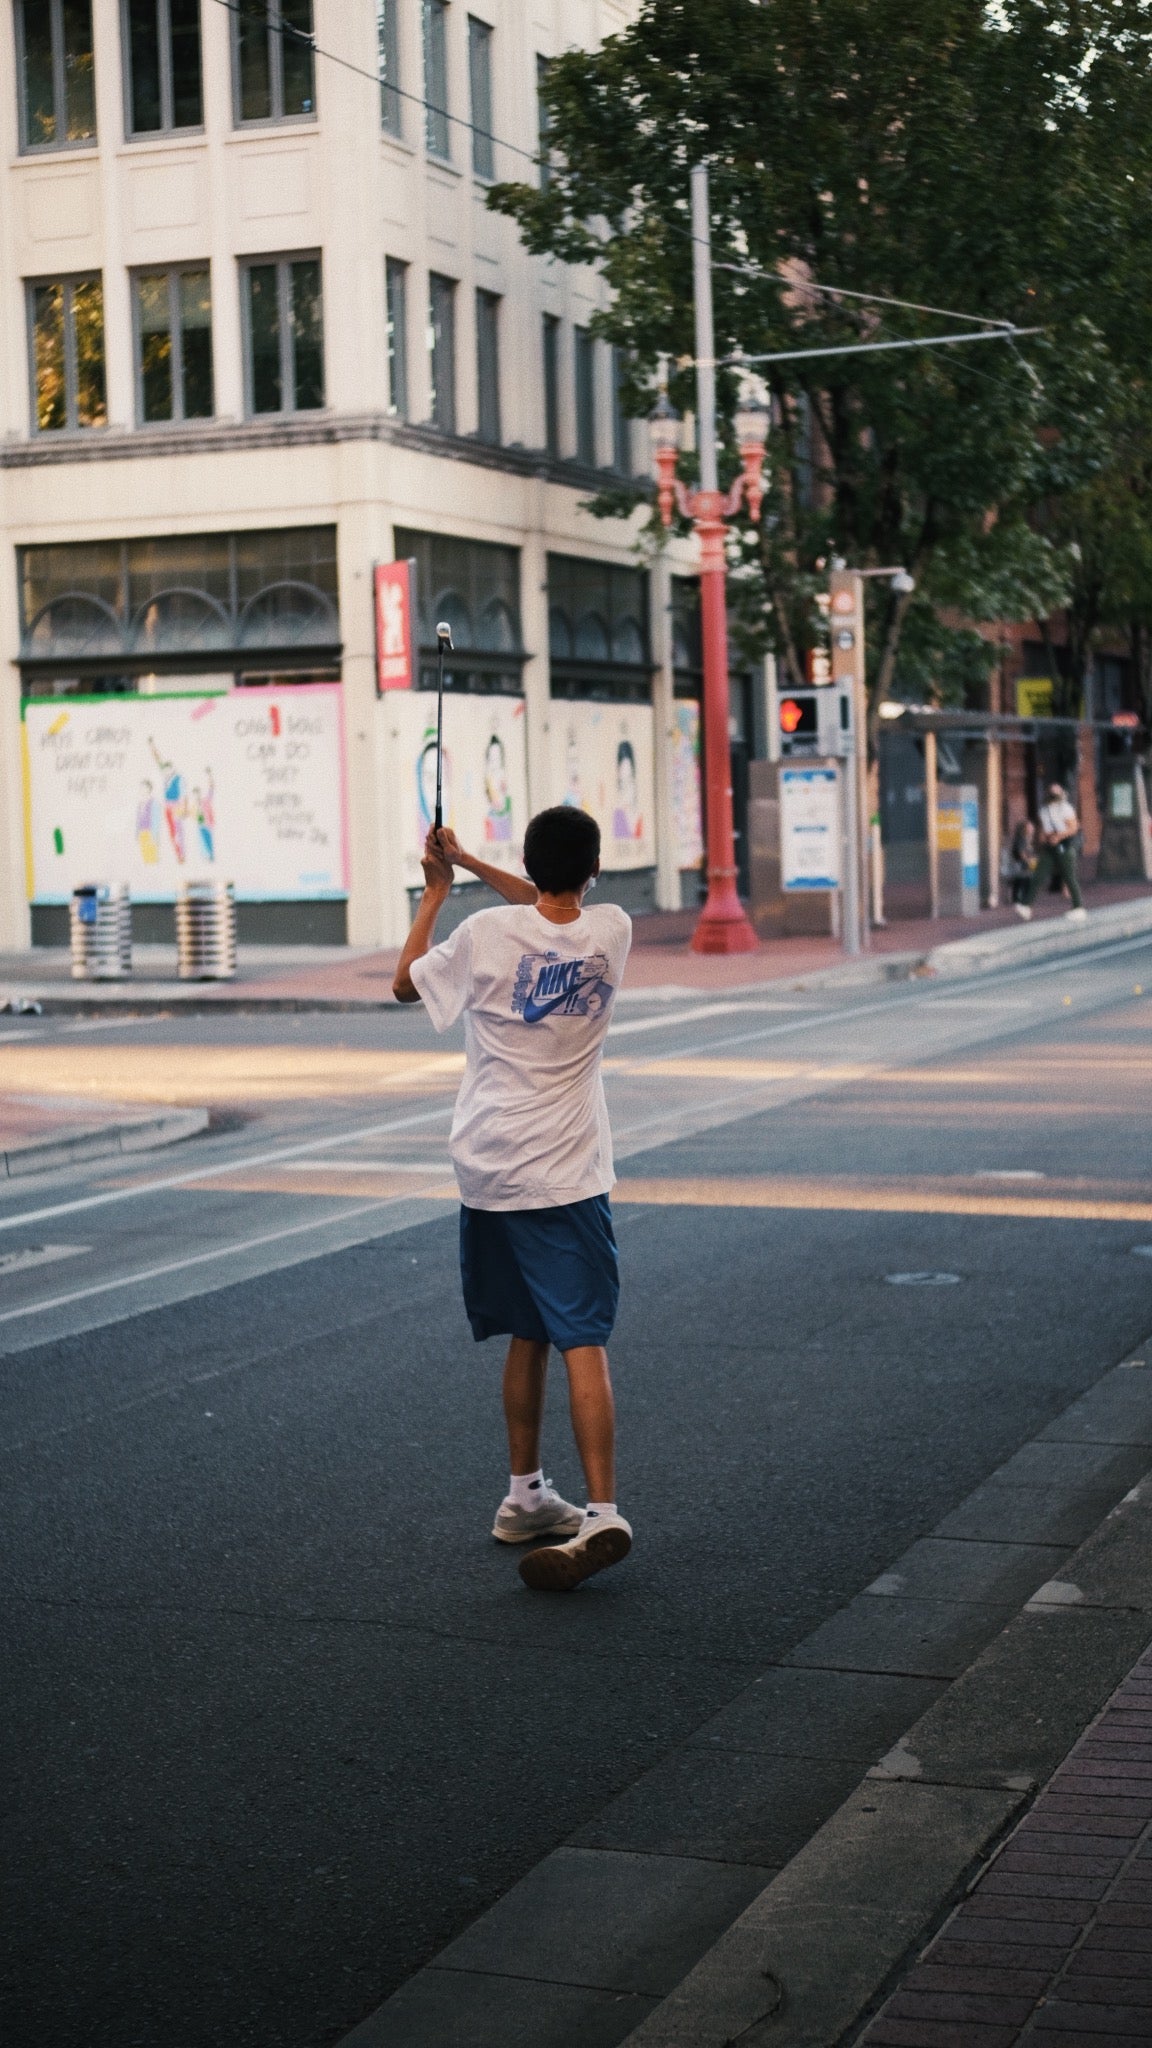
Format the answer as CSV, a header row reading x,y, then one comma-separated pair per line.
x,y
245,786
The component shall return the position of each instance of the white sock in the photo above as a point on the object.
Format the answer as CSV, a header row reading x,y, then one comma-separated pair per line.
x,y
596,1508
526,1489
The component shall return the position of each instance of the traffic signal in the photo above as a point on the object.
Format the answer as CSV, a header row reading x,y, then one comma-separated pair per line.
x,y
799,717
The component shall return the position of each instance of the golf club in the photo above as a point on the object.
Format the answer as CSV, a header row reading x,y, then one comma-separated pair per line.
x,y
443,640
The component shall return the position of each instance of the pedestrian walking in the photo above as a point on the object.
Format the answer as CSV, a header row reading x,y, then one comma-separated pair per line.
x,y
1020,860
535,983
1059,826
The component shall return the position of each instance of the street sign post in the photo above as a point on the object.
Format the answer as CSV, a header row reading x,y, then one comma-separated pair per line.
x,y
810,828
846,632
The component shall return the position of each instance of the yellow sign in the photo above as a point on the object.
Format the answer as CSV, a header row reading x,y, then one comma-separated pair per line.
x,y
1034,697
948,827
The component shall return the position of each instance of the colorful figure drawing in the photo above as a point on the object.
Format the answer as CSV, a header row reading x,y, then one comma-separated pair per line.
x,y
626,820
498,796
175,802
573,790
147,823
204,812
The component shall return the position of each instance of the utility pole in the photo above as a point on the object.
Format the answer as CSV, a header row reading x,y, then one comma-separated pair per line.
x,y
723,925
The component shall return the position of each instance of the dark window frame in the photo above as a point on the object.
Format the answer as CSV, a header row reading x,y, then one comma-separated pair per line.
x,y
442,412
480,98
172,272
437,116
67,281
543,124
389,61
396,337
619,594
168,125
550,358
282,261
471,669
276,30
584,381
623,449
61,139
488,407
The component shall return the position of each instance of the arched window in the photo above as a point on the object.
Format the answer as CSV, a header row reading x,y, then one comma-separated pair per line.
x,y
174,621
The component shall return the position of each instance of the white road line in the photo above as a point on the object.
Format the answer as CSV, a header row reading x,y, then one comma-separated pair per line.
x,y
244,1165
224,1251
428,1168
679,1017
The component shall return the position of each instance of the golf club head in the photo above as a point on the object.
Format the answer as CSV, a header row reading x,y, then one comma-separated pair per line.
x,y
444,634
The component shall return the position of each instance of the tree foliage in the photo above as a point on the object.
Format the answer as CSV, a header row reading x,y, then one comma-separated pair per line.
x,y
987,157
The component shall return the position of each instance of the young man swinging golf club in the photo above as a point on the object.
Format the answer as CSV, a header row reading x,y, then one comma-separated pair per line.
x,y
535,983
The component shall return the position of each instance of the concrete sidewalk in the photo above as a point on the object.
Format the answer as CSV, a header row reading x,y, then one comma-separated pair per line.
x,y
346,978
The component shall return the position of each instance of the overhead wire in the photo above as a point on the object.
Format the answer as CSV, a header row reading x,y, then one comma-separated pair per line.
x,y
984,322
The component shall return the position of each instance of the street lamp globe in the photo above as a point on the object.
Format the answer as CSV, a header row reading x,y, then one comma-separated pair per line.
x,y
664,440
751,422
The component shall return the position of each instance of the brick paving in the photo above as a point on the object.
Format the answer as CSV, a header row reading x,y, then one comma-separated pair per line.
x,y
1053,1946
661,956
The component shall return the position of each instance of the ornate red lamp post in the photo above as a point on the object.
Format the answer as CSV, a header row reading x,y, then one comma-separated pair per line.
x,y
723,926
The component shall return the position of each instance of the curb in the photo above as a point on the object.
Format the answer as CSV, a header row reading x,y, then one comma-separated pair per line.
x,y
1017,945
141,1134
993,1642
810,1962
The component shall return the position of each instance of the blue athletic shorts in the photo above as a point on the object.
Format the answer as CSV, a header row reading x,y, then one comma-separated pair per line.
x,y
548,1274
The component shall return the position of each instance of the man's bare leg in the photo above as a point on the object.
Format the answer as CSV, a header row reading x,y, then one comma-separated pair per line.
x,y
525,1372
593,1418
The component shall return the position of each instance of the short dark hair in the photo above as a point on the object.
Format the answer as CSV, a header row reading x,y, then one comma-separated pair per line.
x,y
561,849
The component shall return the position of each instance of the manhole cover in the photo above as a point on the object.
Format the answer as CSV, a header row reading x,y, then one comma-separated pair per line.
x,y
928,1279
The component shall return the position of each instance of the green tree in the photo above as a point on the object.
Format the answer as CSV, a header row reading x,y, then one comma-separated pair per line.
x,y
950,153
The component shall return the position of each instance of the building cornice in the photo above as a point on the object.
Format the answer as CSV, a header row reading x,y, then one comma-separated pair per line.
x,y
217,437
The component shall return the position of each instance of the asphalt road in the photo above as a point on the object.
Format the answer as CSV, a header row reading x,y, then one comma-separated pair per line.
x,y
280,1718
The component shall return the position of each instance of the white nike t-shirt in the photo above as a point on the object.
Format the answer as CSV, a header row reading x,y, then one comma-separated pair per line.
x,y
531,1124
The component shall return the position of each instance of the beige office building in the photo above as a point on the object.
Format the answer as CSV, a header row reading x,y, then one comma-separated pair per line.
x,y
259,333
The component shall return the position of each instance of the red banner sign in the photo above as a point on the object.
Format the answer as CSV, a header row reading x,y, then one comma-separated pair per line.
x,y
395,595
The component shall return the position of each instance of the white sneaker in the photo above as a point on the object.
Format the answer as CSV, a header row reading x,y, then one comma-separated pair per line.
x,y
1077,916
550,1517
558,1567
1023,910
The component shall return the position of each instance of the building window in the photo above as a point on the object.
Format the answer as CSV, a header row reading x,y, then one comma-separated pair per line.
x,y
173,346
442,351
621,424
388,47
598,630
285,335
396,302
476,588
274,65
67,316
480,86
163,65
543,122
488,365
114,609
585,396
550,337
54,53
436,78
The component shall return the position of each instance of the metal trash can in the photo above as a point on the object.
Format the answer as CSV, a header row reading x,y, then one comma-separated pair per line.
x,y
100,924
205,931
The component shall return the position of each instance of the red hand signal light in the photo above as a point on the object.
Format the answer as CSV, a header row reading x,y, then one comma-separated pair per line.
x,y
791,715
